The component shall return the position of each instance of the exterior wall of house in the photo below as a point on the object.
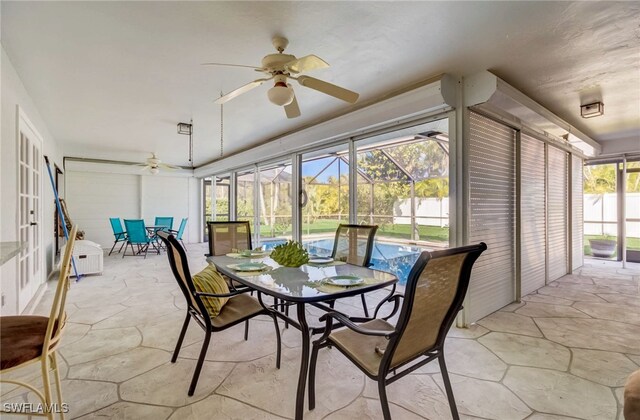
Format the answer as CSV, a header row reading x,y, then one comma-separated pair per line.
x,y
15,95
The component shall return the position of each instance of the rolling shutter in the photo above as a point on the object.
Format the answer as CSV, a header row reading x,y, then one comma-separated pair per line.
x,y
532,214
557,196
577,213
491,164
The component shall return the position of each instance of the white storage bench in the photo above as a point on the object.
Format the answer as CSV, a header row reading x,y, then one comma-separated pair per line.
x,y
88,257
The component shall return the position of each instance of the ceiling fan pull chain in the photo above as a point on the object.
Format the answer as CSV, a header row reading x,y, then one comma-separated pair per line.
x,y
191,142
221,127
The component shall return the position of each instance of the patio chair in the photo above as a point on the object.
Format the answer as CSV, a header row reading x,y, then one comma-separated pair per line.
x,y
165,222
28,339
239,308
224,237
354,244
178,233
137,235
118,232
433,296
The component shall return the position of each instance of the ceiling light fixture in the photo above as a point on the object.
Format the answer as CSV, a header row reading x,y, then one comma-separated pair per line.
x,y
591,110
154,170
280,94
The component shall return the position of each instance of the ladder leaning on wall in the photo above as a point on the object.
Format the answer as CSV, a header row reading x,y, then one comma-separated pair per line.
x,y
61,214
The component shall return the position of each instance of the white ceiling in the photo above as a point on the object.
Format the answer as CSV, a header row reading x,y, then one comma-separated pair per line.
x,y
112,79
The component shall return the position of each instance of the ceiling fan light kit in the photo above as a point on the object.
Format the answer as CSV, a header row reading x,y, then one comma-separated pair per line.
x,y
281,67
281,94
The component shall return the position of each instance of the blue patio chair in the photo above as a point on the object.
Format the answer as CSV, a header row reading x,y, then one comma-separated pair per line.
x,y
119,233
165,222
137,235
178,233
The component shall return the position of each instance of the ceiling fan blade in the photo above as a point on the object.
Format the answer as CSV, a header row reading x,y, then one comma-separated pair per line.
x,y
242,89
231,65
169,167
307,63
292,110
329,89
145,168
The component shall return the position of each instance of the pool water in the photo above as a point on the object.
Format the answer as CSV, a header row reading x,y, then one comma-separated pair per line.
x,y
394,258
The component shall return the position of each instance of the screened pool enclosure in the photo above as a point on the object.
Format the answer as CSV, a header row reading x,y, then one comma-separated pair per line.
x,y
400,182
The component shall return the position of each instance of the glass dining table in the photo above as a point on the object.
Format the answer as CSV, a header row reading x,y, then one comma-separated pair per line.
x,y
315,285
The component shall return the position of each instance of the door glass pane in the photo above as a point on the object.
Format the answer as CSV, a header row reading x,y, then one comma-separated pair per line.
x,y
600,211
325,185
403,188
275,205
632,207
245,199
221,191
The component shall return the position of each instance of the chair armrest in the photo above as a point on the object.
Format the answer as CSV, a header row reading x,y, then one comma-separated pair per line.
x,y
232,293
349,324
395,298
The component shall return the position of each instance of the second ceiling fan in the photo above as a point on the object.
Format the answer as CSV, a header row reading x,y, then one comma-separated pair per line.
x,y
280,67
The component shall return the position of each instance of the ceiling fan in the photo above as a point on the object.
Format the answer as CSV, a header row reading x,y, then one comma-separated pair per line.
x,y
279,67
153,165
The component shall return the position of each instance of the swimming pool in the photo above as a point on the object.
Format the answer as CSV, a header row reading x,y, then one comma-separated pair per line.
x,y
394,258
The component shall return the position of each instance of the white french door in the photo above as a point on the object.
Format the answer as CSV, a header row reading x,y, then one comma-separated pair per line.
x,y
30,270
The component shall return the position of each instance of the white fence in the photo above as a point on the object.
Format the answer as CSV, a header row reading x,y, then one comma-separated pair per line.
x,y
601,214
429,212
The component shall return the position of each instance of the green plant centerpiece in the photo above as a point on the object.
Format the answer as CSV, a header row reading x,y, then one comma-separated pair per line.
x,y
290,254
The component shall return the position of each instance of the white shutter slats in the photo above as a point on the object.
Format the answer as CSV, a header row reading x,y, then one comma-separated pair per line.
x,y
557,212
491,163
577,231
532,214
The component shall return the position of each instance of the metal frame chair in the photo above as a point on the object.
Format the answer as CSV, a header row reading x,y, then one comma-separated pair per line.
x,y
118,232
240,307
165,222
434,294
178,233
20,337
236,233
137,235
353,234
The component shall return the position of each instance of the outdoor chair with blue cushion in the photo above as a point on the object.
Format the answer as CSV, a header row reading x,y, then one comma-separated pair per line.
x,y
386,352
137,235
178,233
211,304
166,223
354,245
119,233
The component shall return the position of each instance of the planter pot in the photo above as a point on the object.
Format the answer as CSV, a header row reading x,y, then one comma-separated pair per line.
x,y
602,248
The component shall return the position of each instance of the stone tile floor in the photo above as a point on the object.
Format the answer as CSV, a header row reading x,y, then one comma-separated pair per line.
x,y
562,353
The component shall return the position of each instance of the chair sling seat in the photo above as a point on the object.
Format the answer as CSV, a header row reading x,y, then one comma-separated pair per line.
x,y
237,309
361,348
22,339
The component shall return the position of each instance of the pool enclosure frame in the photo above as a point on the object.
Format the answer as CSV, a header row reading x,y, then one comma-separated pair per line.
x,y
457,99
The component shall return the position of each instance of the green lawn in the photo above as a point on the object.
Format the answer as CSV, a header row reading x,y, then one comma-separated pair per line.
x,y
427,233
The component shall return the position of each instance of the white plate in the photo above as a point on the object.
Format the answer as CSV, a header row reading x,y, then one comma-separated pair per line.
x,y
248,266
320,260
344,280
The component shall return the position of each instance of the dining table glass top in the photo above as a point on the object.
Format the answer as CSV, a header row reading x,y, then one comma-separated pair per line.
x,y
310,282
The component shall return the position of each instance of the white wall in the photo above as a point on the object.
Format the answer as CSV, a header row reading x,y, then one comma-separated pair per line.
x,y
95,192
14,94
